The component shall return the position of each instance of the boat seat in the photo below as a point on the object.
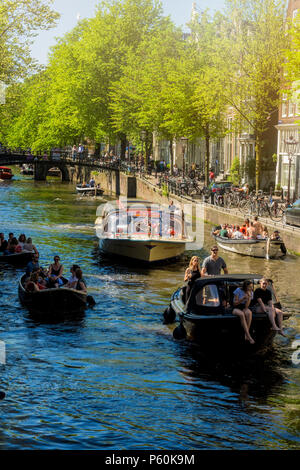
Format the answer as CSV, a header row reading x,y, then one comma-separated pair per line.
x,y
183,294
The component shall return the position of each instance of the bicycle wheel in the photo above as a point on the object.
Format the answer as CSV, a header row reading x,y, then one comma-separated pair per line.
x,y
276,212
244,206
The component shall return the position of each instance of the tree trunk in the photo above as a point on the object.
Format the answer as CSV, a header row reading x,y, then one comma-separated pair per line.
x,y
257,164
171,155
123,145
207,155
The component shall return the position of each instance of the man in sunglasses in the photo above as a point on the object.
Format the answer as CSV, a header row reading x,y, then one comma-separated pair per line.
x,y
213,264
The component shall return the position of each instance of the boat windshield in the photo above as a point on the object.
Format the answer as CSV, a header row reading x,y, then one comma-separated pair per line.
x,y
208,296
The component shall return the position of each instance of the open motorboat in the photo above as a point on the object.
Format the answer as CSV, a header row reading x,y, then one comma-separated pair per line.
x,y
206,316
89,190
16,259
258,248
142,230
27,169
5,173
54,301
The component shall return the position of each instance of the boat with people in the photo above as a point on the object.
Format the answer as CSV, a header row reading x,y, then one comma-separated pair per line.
x,y
52,301
142,230
257,246
27,169
16,259
85,190
5,173
206,316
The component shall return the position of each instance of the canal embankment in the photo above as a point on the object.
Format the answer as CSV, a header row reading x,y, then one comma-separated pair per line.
x,y
120,184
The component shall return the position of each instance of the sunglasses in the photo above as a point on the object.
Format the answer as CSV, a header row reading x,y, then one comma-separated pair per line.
x,y
215,251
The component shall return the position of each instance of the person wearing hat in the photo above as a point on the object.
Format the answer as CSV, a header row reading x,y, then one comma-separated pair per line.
x,y
275,235
213,264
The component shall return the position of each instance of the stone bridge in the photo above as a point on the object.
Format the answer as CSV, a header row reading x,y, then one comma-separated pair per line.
x,y
74,170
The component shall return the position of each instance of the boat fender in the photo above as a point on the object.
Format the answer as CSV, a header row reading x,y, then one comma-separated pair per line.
x,y
283,248
179,332
169,315
90,300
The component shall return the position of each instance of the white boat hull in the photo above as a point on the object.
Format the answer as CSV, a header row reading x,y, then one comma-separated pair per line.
x,y
143,250
256,248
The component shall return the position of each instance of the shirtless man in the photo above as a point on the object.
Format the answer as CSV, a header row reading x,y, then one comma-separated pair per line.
x,y
258,226
251,231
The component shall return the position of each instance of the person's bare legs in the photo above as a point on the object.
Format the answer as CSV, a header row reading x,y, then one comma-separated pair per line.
x,y
271,315
244,324
279,317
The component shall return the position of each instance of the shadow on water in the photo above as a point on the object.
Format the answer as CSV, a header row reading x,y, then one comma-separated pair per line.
x,y
255,376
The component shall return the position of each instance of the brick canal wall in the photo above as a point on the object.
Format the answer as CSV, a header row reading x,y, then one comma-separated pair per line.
x,y
116,183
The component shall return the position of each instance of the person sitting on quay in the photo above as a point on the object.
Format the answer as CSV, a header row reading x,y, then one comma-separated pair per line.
x,y
275,235
263,304
213,264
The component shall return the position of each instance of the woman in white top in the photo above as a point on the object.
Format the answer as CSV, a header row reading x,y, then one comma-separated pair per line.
x,y
241,302
28,246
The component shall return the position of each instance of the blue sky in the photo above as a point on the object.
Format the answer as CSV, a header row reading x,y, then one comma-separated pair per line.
x,y
179,10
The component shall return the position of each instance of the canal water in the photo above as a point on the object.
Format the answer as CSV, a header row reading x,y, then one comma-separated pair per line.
x,y
115,378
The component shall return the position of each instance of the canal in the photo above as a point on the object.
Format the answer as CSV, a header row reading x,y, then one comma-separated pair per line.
x,y
115,378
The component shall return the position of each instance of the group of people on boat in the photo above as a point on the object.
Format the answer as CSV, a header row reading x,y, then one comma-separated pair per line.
x,y
246,300
38,278
249,230
15,245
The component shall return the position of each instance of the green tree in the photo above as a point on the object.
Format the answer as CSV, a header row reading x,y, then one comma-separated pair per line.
x,y
20,20
251,42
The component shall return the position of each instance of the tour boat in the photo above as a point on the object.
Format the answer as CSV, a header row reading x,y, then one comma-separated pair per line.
x,y
27,169
5,173
89,190
54,301
206,320
259,248
142,231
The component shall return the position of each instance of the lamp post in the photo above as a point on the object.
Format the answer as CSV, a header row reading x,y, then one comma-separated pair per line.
x,y
291,147
183,141
143,139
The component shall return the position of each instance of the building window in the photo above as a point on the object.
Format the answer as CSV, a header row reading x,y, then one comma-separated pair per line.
x,y
291,108
284,105
285,175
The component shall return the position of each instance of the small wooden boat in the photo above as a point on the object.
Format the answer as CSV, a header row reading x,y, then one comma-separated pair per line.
x,y
260,248
52,302
142,231
16,259
5,173
27,169
207,320
54,172
89,190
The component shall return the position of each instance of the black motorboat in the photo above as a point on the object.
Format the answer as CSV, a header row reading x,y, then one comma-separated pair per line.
x,y
17,259
54,301
206,317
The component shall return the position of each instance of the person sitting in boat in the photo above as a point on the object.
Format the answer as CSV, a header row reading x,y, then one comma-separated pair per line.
x,y
85,185
55,273
265,233
237,234
13,247
72,282
31,285
263,304
28,246
241,301
251,232
10,237
81,284
41,281
3,243
223,232
34,263
258,226
213,264
275,235
243,230
192,273
22,240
